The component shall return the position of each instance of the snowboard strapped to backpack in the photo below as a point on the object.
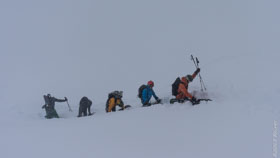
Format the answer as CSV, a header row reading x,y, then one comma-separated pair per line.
x,y
175,86
140,90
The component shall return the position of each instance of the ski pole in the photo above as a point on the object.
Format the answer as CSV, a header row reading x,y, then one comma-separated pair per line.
x,y
192,58
197,62
69,106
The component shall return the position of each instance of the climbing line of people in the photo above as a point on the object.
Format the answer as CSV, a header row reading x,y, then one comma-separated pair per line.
x,y
145,93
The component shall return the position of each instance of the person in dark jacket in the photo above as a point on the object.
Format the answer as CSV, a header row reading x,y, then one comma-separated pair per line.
x,y
85,105
147,94
49,106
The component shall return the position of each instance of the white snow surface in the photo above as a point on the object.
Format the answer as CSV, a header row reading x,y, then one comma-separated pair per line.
x,y
90,48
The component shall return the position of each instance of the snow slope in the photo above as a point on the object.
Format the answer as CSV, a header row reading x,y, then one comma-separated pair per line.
x,y
90,48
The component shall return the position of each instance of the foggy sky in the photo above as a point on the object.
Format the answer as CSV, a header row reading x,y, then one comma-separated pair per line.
x,y
76,48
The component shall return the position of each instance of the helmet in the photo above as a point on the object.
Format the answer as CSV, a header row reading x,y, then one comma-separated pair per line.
x,y
151,83
189,78
118,94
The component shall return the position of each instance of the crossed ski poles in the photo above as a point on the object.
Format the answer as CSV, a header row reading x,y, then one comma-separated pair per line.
x,y
196,62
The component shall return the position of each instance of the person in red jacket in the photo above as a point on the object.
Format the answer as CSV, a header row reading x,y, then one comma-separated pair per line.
x,y
183,93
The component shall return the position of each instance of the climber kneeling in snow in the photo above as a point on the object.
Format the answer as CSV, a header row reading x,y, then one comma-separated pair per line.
x,y
49,106
145,92
181,92
114,99
84,109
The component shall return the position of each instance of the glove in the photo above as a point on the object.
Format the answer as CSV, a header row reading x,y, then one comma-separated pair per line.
x,y
197,70
66,99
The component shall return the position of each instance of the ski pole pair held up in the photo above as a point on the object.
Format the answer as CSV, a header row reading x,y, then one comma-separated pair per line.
x,y
196,62
180,86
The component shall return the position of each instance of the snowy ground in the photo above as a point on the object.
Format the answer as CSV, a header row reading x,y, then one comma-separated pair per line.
x,y
90,48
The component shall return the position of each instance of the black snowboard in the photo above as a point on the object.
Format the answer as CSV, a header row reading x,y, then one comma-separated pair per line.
x,y
125,107
174,100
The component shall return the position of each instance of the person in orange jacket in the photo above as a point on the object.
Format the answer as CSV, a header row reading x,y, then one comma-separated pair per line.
x,y
114,99
183,93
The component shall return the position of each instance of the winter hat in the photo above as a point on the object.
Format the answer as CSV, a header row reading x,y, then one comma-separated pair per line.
x,y
184,80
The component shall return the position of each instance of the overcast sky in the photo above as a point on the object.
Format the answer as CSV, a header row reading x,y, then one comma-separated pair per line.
x,y
91,47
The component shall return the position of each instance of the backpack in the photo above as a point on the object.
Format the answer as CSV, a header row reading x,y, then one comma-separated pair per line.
x,y
110,95
140,90
85,102
175,86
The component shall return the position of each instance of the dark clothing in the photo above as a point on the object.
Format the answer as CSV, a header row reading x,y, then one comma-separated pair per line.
x,y
147,104
50,101
49,106
51,113
84,108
